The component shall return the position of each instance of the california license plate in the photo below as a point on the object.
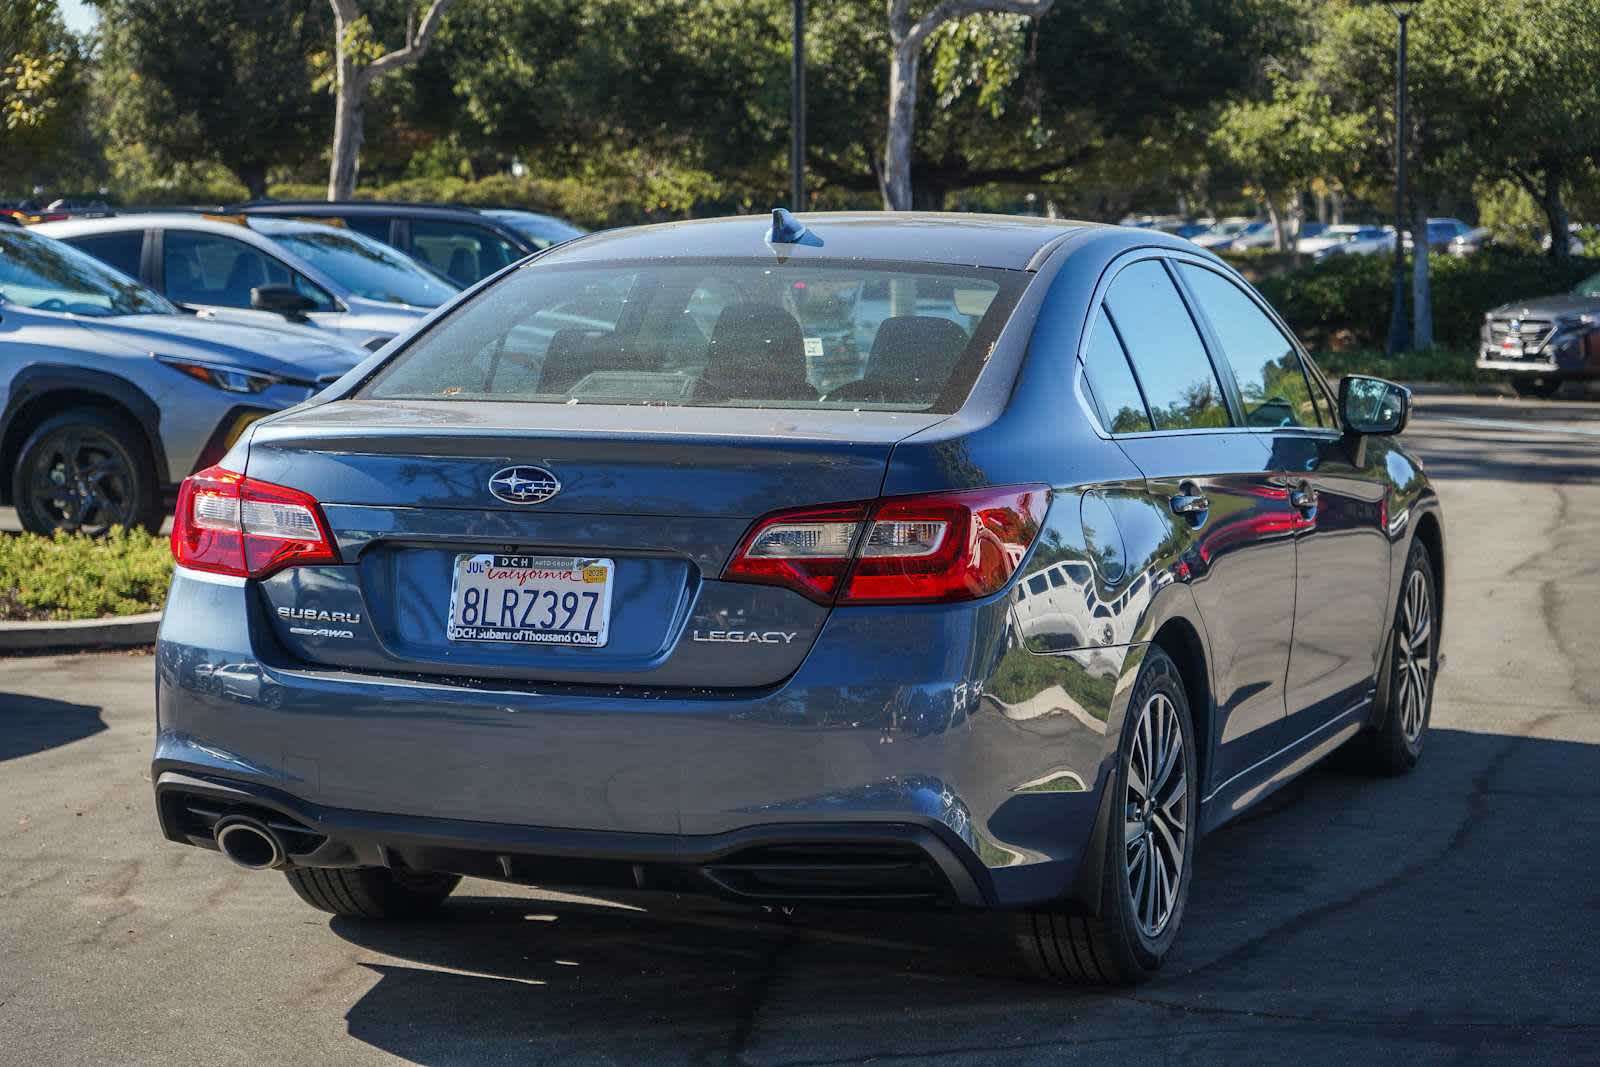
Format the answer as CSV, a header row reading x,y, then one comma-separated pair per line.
x,y
534,600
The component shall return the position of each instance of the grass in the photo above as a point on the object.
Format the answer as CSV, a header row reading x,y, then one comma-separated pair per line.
x,y
69,576
1450,365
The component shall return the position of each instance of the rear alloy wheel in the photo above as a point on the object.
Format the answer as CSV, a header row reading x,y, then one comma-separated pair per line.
x,y
371,892
84,471
1396,745
1149,848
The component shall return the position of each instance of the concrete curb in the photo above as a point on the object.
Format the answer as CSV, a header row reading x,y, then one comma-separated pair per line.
x,y
126,631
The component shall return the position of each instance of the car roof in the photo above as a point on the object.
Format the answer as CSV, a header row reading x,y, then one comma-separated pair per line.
x,y
1007,241
354,207
187,220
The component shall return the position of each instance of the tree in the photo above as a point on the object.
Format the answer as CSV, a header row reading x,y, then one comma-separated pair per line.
x,y
359,61
40,86
906,40
1284,143
220,81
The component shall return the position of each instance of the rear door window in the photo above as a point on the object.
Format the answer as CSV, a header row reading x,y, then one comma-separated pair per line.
x,y
462,252
744,333
376,227
123,250
1179,383
1266,364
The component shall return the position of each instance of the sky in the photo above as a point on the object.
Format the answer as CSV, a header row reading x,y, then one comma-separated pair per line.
x,y
78,15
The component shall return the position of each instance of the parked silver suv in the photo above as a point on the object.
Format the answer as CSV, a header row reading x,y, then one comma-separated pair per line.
x,y
110,396
266,270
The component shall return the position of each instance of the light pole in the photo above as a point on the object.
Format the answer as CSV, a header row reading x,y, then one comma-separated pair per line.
x,y
1399,334
797,110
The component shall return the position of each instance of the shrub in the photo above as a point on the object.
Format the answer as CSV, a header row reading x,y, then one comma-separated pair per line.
x,y
1347,298
69,576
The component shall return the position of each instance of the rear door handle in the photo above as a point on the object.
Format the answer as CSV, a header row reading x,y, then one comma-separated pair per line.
x,y
1189,504
1303,497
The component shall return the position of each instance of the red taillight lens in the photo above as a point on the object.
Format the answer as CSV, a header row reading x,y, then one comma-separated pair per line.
x,y
906,550
807,550
229,524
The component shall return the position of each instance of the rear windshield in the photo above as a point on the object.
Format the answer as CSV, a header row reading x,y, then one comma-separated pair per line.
x,y
731,333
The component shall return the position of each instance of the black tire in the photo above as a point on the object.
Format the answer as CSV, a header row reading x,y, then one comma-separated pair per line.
x,y
1540,388
84,471
1115,947
371,892
1394,745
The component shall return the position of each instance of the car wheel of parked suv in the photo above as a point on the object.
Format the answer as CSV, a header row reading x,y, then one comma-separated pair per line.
x,y
1541,388
1149,848
1396,745
85,471
371,892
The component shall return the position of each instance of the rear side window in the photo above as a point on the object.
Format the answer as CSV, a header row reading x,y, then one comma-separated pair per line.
x,y
1116,394
373,226
1179,383
120,250
733,333
1266,364
463,253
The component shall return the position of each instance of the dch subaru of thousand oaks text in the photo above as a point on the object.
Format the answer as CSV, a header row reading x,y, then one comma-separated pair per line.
x,y
920,560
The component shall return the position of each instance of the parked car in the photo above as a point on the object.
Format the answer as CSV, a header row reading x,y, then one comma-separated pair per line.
x,y
266,270
466,244
1348,240
110,396
1540,343
1259,234
1221,234
1444,233
637,605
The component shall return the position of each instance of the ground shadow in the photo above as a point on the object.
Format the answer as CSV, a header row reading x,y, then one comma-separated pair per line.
x,y
30,724
1452,903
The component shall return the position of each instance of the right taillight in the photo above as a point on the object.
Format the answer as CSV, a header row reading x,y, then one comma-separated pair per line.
x,y
229,524
906,550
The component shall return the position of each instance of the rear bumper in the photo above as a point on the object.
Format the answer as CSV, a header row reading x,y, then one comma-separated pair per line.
x,y
886,862
887,730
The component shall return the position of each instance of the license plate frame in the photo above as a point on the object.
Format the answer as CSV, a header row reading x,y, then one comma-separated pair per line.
x,y
537,615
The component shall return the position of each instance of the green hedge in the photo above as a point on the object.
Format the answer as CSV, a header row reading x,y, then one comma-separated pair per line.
x,y
73,577
1344,301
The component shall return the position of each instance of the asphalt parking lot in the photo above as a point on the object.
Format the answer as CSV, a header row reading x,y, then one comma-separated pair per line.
x,y
1446,917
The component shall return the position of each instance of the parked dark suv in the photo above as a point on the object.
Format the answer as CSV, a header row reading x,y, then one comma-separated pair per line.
x,y
465,243
1541,343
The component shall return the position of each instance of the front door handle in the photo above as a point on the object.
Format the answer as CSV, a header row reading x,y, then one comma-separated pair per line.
x,y
1303,497
1189,504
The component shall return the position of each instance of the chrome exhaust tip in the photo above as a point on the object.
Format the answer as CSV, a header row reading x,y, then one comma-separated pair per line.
x,y
249,843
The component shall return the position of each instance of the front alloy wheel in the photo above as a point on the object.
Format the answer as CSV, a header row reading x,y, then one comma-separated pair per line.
x,y
1414,655
84,471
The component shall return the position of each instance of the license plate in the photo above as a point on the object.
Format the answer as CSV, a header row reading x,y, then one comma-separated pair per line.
x,y
1511,348
531,600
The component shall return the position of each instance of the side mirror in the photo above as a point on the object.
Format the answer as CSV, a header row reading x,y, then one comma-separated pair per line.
x,y
1373,405
284,300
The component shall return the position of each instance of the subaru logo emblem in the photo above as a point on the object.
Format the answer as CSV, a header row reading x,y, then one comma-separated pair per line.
x,y
523,485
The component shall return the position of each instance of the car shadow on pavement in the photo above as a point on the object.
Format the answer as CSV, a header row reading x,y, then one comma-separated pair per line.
x,y
1377,907
30,724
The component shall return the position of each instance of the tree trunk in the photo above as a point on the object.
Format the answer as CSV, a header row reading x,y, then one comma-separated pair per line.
x,y
1555,213
254,177
1421,300
902,126
349,129
1280,238
1337,218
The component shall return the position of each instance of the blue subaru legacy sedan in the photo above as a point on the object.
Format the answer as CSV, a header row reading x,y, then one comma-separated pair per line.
x,y
919,560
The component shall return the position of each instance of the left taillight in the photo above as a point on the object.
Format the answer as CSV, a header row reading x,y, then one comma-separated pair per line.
x,y
229,524
927,549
